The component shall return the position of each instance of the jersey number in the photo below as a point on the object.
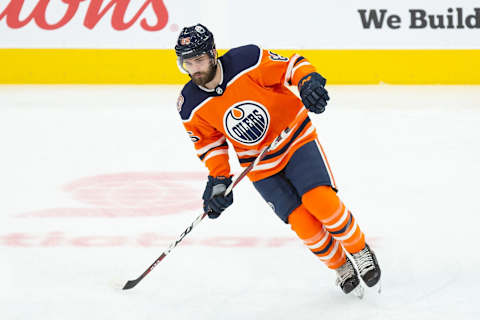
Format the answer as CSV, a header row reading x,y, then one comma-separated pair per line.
x,y
276,57
192,137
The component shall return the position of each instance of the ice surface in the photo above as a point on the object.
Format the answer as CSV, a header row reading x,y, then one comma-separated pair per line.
x,y
96,181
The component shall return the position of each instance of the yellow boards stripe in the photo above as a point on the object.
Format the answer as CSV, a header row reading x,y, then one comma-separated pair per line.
x,y
145,66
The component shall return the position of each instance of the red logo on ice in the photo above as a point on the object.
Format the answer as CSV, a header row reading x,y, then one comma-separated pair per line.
x,y
133,194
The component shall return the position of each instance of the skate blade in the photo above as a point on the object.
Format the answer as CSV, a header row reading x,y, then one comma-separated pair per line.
x,y
378,287
359,291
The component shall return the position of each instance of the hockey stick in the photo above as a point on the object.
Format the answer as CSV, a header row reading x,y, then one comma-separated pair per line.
x,y
132,283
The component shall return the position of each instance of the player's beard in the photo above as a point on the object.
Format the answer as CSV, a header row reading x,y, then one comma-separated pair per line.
x,y
202,78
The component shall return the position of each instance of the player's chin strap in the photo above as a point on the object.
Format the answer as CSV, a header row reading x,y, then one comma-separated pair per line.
x,y
275,143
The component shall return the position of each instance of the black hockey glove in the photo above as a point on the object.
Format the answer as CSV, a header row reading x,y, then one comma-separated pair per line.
x,y
214,201
312,91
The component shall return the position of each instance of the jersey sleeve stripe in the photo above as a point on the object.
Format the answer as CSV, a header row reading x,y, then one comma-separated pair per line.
x,y
215,153
210,151
288,76
305,63
211,145
298,60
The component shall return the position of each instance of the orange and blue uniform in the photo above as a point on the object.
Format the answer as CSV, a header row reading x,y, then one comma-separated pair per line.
x,y
249,108
250,123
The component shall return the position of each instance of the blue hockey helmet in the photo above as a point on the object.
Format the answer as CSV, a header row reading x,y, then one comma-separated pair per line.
x,y
194,41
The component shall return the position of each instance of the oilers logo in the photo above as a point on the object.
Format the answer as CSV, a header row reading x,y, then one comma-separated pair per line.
x,y
247,122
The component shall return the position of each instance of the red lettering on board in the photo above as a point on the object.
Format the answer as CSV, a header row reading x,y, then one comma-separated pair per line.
x,y
93,16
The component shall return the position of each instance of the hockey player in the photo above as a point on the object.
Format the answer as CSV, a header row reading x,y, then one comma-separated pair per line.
x,y
243,97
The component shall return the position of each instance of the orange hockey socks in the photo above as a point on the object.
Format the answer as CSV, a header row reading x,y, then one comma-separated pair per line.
x,y
316,238
324,204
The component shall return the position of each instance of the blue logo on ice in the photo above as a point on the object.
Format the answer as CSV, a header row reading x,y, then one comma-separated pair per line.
x,y
247,122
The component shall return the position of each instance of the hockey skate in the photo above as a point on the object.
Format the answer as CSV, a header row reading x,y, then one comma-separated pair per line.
x,y
347,279
368,267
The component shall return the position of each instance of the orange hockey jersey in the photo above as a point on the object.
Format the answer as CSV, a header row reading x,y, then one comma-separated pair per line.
x,y
249,108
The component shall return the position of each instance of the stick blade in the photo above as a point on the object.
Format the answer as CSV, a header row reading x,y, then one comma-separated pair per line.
x,y
130,284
